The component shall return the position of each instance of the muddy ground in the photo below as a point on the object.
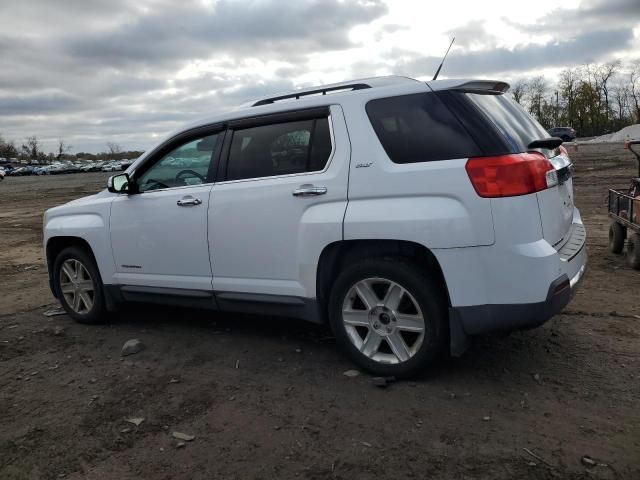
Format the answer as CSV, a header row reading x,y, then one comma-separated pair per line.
x,y
267,398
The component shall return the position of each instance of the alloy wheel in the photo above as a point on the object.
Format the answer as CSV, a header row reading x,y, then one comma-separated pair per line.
x,y
383,320
77,286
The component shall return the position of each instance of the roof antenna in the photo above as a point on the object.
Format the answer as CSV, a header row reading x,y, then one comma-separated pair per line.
x,y
445,57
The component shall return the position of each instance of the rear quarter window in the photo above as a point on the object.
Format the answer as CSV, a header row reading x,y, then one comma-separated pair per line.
x,y
419,128
517,127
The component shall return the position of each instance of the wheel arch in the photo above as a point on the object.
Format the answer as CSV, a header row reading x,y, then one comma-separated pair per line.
x,y
338,254
55,245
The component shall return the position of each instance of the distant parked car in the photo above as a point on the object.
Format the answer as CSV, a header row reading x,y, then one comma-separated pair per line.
x,y
58,168
124,164
111,167
73,168
91,167
2,174
18,172
567,134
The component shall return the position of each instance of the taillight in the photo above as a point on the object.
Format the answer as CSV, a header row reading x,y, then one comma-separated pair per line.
x,y
511,175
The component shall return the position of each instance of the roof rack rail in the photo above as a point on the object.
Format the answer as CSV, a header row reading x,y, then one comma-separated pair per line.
x,y
304,93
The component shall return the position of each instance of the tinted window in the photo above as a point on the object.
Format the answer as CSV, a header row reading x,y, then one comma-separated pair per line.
x,y
187,164
516,125
279,149
419,128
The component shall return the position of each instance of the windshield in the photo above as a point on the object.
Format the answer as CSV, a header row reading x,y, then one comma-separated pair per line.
x,y
517,126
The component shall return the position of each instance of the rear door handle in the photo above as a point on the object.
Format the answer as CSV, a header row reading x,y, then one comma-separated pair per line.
x,y
309,191
188,201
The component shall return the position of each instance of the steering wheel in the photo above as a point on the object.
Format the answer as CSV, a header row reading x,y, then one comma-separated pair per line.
x,y
153,184
183,173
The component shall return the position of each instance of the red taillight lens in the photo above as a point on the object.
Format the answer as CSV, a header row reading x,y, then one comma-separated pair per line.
x,y
511,175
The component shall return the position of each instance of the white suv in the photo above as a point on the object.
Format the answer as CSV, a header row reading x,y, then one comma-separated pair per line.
x,y
409,215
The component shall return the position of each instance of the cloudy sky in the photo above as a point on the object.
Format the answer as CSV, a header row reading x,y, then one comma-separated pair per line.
x,y
92,71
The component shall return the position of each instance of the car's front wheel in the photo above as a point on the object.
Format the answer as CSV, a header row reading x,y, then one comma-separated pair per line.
x,y
78,285
389,316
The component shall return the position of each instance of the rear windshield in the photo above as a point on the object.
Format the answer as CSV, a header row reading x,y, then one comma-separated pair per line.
x,y
516,125
419,128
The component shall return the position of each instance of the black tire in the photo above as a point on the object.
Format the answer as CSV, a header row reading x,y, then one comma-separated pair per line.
x,y
617,235
566,138
633,251
97,313
420,285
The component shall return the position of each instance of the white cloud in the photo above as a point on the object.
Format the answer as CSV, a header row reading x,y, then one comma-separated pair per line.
x,y
106,70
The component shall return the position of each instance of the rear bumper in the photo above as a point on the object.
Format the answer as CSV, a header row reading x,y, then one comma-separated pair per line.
x,y
512,286
482,319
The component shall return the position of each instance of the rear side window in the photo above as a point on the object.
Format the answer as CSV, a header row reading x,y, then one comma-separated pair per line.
x,y
518,128
279,149
419,128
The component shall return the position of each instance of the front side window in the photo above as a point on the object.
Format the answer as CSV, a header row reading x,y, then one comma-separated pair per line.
x,y
279,149
185,165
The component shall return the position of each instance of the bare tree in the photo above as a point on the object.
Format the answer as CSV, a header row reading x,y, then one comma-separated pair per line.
x,y
519,90
62,148
620,94
113,149
31,147
604,74
7,148
10,150
634,88
537,90
591,92
567,88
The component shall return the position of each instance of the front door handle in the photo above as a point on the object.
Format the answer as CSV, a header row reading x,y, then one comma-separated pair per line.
x,y
188,201
309,191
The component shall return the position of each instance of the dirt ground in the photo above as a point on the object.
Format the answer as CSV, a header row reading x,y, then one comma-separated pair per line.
x,y
267,398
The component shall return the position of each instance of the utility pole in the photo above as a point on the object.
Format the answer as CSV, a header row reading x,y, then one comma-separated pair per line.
x,y
557,108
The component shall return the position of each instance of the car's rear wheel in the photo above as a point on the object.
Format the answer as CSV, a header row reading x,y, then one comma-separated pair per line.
x,y
633,251
78,285
617,234
388,316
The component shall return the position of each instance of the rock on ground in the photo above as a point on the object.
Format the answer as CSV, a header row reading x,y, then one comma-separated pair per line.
x,y
132,347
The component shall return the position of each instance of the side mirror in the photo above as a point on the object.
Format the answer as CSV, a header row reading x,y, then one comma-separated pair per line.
x,y
118,183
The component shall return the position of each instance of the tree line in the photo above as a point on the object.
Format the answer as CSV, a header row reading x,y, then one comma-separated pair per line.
x,y
31,150
594,99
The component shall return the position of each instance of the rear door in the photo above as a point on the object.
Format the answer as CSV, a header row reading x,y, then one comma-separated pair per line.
x,y
280,199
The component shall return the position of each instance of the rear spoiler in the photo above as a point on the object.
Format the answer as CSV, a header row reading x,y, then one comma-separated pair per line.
x,y
483,86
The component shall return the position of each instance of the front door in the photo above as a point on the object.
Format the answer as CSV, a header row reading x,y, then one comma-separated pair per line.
x,y
159,235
